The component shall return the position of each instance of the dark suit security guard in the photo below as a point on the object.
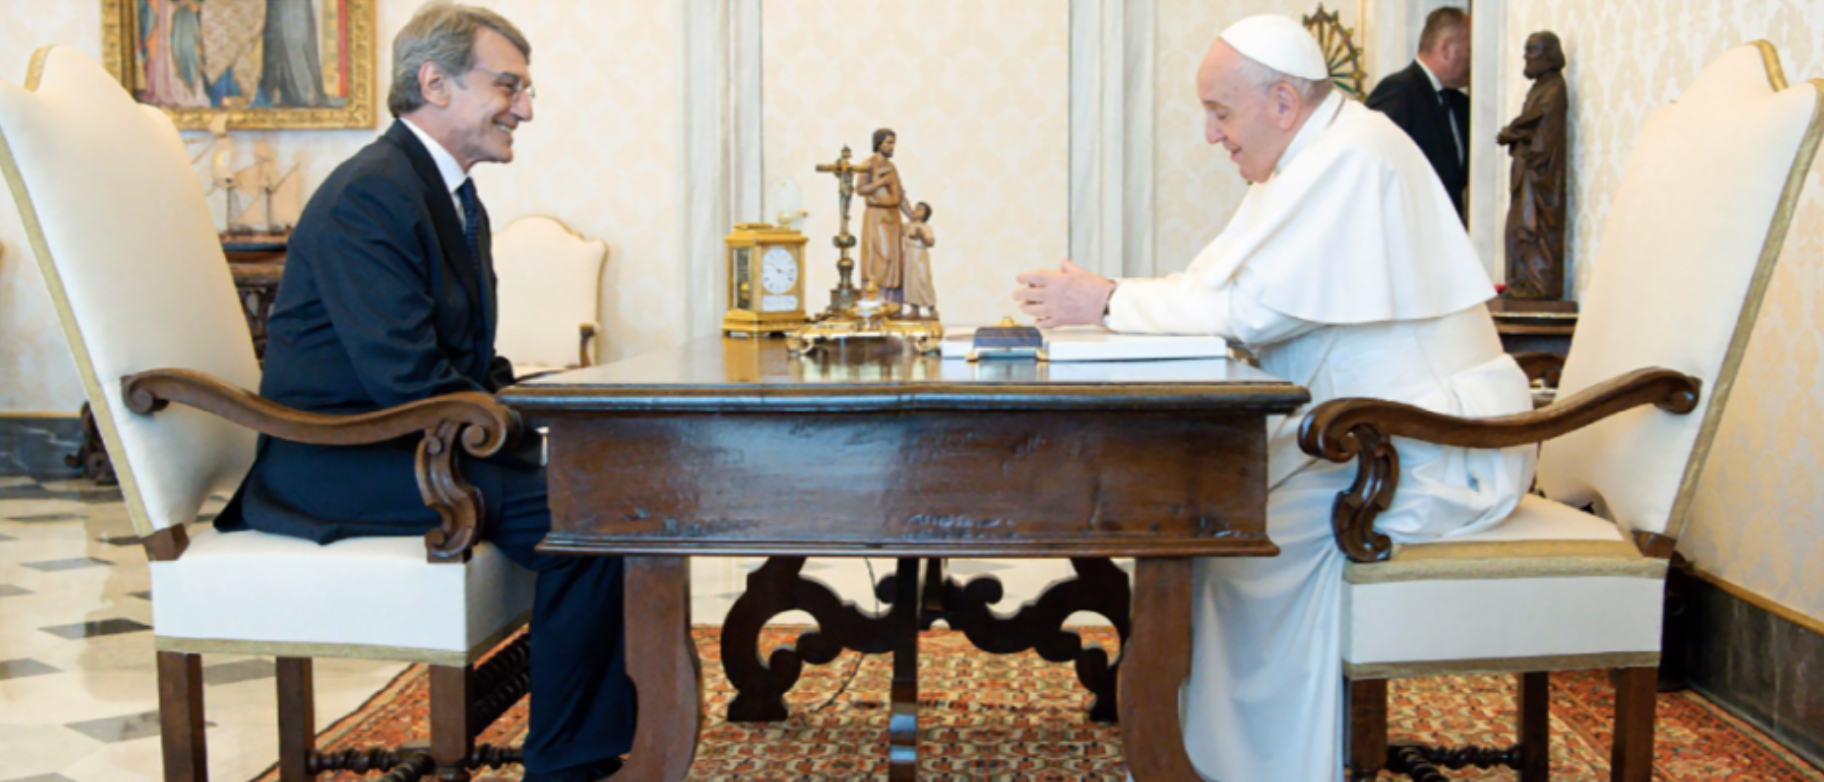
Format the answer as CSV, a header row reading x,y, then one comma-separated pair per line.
x,y
1426,100
389,297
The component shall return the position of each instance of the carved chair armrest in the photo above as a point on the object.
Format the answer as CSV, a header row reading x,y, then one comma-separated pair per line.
x,y
482,425
586,334
1542,367
1363,429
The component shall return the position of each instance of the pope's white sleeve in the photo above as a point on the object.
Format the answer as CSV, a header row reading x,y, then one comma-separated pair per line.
x,y
1255,324
1175,304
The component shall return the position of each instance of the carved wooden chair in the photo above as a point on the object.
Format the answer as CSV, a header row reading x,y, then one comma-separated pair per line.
x,y
1686,256
127,247
550,284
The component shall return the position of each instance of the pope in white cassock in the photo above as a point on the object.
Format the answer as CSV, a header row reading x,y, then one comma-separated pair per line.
x,y
1346,271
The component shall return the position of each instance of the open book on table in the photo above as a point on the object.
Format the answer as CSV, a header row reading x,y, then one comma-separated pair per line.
x,y
1094,343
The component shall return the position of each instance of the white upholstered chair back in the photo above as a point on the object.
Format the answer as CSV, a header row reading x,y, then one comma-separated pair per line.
x,y
116,217
550,284
1686,254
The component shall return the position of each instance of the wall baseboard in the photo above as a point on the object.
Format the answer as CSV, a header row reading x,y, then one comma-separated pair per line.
x,y
1759,660
34,445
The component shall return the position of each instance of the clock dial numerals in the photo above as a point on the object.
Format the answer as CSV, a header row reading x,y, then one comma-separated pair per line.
x,y
778,272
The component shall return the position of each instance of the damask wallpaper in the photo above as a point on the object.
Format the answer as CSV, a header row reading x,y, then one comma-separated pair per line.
x,y
979,96
1759,516
1196,188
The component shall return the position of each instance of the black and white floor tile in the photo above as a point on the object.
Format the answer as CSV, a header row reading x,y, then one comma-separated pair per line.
x,y
78,694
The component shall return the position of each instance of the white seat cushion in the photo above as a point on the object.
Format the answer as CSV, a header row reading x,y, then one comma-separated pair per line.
x,y
371,598
1550,588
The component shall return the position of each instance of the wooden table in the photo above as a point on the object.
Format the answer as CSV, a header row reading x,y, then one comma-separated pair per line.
x,y
736,448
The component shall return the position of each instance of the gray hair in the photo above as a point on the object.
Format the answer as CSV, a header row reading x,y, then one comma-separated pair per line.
x,y
1263,77
443,33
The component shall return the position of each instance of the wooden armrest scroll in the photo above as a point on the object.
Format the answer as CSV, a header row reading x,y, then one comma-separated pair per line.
x,y
1541,366
586,332
1363,429
482,426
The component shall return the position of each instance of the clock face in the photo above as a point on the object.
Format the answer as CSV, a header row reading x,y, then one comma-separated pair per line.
x,y
778,270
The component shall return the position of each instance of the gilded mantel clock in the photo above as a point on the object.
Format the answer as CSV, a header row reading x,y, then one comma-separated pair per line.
x,y
765,280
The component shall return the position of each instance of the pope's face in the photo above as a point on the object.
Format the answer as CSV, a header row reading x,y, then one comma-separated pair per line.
x,y
1250,122
485,106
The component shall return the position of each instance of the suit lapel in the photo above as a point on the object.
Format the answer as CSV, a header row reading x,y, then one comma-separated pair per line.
x,y
443,214
1436,108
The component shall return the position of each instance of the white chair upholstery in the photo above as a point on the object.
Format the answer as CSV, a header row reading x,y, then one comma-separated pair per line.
x,y
550,293
1685,258
254,593
137,274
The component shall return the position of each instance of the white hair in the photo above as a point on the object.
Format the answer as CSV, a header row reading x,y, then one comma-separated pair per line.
x,y
1264,77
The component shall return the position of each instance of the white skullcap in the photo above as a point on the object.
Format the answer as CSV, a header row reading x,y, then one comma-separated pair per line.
x,y
1279,43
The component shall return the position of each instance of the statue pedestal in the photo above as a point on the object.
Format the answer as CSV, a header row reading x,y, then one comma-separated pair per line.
x,y
1527,325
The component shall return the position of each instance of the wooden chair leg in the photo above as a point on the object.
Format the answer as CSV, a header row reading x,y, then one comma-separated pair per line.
x,y
180,716
1636,694
1367,739
452,738
1535,726
297,719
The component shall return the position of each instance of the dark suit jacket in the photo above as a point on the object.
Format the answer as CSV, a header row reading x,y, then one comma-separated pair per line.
x,y
1408,99
380,305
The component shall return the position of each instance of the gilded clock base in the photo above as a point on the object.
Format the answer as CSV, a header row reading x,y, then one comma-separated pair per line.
x,y
744,324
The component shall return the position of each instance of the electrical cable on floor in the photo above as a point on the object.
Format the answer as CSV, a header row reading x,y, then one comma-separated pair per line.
x,y
859,657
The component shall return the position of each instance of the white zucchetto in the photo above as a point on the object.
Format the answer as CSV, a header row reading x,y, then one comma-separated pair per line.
x,y
1279,43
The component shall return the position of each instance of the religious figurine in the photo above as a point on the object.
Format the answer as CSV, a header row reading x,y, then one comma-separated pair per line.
x,y
919,295
882,259
1538,143
842,297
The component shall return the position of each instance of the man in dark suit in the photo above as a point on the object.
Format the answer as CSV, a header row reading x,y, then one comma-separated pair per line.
x,y
1426,100
389,297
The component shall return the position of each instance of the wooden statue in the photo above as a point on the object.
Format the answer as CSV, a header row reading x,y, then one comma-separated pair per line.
x,y
882,255
1540,148
919,294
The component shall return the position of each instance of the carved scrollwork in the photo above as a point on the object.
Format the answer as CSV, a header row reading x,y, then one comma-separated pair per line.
x,y
1099,588
775,588
1377,477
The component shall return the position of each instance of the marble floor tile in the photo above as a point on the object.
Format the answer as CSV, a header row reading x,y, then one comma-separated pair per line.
x,y
46,517
42,778
23,667
6,538
96,628
8,590
11,481
144,594
73,563
236,672
120,540
125,727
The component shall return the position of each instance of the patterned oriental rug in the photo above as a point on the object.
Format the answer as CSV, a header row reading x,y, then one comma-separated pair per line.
x,y
1017,717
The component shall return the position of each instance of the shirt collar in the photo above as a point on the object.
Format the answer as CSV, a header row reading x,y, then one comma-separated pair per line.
x,y
453,175
1315,125
1435,84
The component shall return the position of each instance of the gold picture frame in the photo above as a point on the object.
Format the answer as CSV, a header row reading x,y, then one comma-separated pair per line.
x,y
197,89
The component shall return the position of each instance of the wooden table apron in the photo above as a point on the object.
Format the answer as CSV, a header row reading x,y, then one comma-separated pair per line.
x,y
737,449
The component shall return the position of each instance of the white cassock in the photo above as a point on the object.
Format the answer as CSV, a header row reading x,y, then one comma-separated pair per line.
x,y
1348,273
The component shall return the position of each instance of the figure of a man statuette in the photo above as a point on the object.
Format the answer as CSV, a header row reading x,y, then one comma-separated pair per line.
x,y
1536,139
882,231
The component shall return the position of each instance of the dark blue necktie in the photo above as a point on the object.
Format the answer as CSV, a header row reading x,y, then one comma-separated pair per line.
x,y
471,230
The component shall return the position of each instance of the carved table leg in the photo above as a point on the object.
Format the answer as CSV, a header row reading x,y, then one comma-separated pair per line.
x,y
663,664
902,726
1099,587
775,588
1156,660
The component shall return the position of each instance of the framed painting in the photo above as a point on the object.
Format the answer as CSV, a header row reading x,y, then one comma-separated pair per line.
x,y
265,64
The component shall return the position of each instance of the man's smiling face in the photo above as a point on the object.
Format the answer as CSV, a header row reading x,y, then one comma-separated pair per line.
x,y
488,103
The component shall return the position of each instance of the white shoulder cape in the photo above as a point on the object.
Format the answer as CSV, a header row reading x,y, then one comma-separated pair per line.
x,y
1354,227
